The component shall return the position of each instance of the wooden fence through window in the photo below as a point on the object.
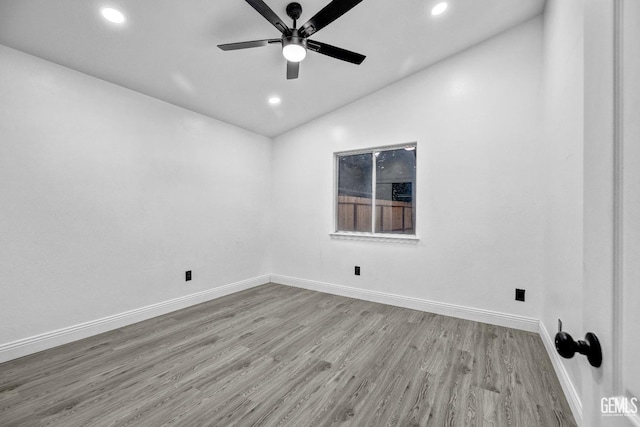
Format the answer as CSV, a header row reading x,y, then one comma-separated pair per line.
x,y
354,214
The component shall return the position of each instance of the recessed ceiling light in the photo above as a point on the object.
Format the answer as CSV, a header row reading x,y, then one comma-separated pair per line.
x,y
112,15
439,9
409,148
274,100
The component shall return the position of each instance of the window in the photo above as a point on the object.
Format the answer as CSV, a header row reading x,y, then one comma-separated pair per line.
x,y
376,191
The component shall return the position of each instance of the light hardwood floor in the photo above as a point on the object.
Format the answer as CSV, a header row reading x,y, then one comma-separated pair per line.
x,y
276,355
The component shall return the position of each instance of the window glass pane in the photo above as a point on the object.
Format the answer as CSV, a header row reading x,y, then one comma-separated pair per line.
x,y
395,191
355,174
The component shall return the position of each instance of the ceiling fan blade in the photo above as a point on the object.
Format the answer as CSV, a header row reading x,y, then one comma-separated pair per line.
x,y
293,68
335,52
327,15
246,45
269,15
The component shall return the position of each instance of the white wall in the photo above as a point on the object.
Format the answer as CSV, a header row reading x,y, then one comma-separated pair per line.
x,y
477,120
108,196
563,166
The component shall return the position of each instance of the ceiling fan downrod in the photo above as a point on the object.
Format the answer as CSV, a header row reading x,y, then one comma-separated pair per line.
x,y
294,10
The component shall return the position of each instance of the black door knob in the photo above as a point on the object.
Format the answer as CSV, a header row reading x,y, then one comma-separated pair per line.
x,y
590,347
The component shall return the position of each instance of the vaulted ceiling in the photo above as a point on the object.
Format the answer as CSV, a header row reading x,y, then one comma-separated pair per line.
x,y
168,49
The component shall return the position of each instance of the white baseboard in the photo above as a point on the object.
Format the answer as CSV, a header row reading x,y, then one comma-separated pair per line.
x,y
468,313
563,376
26,346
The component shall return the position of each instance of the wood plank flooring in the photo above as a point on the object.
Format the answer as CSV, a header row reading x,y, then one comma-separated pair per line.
x,y
276,355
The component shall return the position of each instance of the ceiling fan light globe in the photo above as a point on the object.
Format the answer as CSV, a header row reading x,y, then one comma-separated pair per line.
x,y
294,52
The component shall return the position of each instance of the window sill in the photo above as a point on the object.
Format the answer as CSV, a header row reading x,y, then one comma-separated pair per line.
x,y
387,238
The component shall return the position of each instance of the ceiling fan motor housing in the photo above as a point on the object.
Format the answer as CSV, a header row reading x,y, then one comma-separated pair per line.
x,y
294,38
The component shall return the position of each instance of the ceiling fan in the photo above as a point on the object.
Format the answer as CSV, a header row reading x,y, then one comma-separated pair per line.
x,y
295,41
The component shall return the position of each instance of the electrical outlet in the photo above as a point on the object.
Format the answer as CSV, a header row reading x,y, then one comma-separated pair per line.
x,y
187,276
357,270
559,325
519,294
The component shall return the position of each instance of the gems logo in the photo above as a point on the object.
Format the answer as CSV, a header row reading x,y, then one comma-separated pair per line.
x,y
618,406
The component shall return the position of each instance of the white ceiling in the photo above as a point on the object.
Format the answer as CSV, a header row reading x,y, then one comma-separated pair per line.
x,y
167,49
